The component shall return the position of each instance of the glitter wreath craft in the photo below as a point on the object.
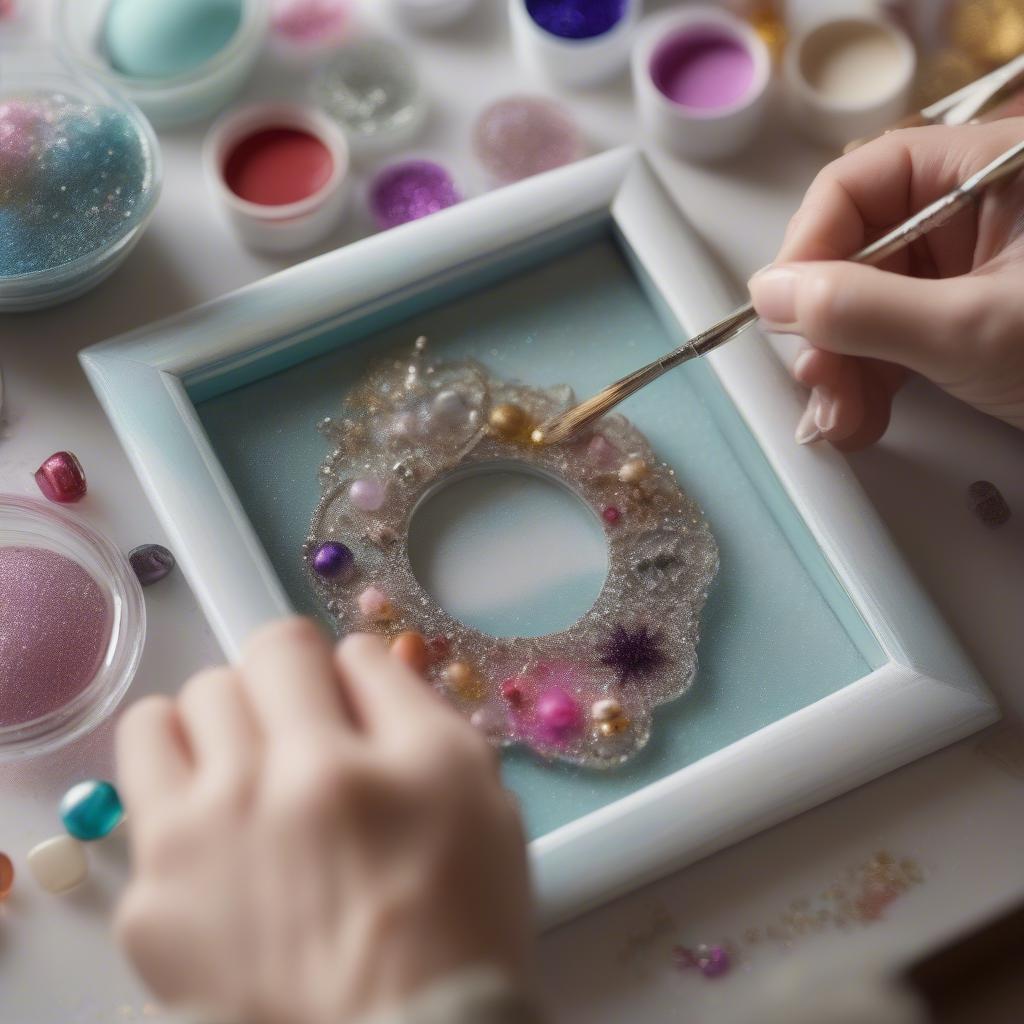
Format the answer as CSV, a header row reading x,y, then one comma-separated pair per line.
x,y
584,695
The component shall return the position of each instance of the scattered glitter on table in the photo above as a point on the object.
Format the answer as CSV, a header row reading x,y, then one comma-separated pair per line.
x,y
520,136
585,695
372,90
74,179
409,191
857,898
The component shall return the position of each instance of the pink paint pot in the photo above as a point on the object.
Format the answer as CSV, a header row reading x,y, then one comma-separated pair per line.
x,y
72,627
701,77
280,172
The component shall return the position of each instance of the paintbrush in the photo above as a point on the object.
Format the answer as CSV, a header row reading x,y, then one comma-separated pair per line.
x,y
570,422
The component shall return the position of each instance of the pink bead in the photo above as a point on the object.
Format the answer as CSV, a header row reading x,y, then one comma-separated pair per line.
x,y
602,453
61,478
559,714
367,494
610,514
374,605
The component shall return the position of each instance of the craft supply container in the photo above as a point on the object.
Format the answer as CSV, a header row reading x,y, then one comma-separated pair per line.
x,y
28,522
833,121
431,14
574,62
289,226
175,100
43,288
698,133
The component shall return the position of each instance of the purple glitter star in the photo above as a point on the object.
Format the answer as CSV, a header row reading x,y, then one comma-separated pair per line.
x,y
633,653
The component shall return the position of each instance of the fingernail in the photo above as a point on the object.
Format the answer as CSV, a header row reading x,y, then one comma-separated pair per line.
x,y
807,431
827,413
801,361
774,295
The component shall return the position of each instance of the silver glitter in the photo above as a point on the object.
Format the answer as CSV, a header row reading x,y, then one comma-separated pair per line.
x,y
638,641
371,89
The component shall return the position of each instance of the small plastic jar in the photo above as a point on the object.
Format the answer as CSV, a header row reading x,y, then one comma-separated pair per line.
x,y
281,173
430,14
37,194
49,699
572,54
81,31
700,78
849,78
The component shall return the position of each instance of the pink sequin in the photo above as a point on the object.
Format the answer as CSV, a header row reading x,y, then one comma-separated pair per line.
x,y
55,626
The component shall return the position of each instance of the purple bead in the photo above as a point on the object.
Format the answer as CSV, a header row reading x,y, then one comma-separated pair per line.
x,y
558,713
151,562
577,19
411,190
367,494
713,961
332,559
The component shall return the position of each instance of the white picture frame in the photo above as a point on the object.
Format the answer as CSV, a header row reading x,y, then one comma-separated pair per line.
x,y
925,696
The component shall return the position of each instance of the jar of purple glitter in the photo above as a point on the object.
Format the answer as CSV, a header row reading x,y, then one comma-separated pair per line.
x,y
574,42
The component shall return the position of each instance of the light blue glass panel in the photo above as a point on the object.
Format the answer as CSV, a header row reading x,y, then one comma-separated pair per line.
x,y
779,631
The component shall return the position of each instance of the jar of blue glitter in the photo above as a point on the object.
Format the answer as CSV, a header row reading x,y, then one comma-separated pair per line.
x,y
574,42
179,62
80,174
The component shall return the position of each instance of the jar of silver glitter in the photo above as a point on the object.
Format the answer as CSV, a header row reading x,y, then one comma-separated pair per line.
x,y
80,174
373,90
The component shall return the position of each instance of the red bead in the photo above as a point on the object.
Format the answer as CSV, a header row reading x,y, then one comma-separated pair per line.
x,y
611,514
513,693
61,478
438,648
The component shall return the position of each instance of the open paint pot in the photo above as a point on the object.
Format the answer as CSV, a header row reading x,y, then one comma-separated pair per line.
x,y
72,627
574,42
281,172
849,78
179,60
701,77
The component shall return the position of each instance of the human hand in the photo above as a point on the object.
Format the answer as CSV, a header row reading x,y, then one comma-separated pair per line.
x,y
315,836
949,307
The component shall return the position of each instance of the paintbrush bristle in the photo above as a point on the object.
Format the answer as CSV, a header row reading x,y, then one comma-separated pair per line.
x,y
565,425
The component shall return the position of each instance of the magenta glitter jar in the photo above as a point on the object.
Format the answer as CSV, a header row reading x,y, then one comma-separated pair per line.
x,y
411,190
700,77
72,627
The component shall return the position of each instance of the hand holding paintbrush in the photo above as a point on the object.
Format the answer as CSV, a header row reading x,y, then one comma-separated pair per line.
x,y
954,275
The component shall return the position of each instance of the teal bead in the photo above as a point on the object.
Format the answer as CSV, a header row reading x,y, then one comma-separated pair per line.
x,y
91,810
166,38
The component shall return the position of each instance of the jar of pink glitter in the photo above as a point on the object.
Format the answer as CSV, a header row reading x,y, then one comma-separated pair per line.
x,y
72,627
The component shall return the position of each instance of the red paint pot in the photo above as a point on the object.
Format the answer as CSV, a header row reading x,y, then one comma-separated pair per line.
x,y
281,172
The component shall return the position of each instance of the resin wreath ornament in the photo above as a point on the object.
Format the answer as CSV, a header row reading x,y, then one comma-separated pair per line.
x,y
585,695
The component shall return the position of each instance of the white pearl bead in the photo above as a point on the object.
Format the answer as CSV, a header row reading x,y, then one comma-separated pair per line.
x,y
59,863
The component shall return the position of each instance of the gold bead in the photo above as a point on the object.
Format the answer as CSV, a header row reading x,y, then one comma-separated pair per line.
x,y
606,709
461,678
614,726
508,420
633,471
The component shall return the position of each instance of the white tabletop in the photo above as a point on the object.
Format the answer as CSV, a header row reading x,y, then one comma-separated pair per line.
x,y
960,813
